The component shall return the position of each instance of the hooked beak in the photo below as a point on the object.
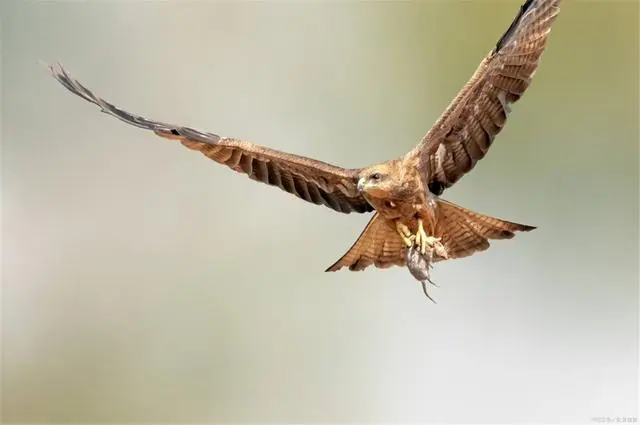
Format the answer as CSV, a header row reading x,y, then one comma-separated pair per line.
x,y
361,183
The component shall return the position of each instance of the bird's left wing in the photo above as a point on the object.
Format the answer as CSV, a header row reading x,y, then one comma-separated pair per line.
x,y
309,179
464,132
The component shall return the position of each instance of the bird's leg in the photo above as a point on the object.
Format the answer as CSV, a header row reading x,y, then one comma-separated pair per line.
x,y
405,234
423,242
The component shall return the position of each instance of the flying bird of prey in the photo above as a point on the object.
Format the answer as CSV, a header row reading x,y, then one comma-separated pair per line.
x,y
410,217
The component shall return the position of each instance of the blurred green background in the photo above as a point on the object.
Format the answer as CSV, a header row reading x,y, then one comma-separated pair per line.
x,y
143,282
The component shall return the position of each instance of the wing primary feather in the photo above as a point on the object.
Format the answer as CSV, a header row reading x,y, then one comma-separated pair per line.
x,y
288,184
514,25
260,170
246,162
274,175
301,189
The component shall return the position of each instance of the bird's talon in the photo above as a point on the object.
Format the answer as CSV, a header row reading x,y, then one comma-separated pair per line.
x,y
422,240
427,245
405,234
408,241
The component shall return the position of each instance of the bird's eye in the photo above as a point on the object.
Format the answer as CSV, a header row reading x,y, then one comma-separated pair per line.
x,y
376,176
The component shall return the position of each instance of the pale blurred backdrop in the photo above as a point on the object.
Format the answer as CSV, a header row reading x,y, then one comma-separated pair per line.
x,y
142,282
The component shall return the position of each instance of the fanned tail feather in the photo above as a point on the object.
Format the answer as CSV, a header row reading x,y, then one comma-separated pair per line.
x,y
463,232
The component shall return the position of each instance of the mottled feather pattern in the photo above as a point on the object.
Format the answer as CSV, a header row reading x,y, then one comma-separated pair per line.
x,y
465,131
311,180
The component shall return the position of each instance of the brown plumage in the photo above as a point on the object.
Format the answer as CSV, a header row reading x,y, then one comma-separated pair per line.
x,y
404,192
463,233
465,131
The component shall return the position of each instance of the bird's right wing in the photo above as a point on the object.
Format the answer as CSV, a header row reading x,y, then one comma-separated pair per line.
x,y
465,131
309,179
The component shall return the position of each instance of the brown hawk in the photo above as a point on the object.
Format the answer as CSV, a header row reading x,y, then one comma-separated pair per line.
x,y
410,218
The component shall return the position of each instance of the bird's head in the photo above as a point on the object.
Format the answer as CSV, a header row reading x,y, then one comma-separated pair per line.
x,y
376,181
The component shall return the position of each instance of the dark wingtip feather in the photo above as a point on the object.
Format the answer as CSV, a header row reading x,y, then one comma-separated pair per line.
x,y
512,28
74,86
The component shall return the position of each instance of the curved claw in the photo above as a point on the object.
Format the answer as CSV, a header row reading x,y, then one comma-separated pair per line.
x,y
429,244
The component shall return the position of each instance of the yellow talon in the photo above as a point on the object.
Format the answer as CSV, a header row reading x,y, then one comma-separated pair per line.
x,y
408,241
429,243
426,244
403,229
422,240
405,234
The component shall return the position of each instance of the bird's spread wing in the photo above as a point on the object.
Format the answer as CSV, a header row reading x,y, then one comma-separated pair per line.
x,y
309,179
464,132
